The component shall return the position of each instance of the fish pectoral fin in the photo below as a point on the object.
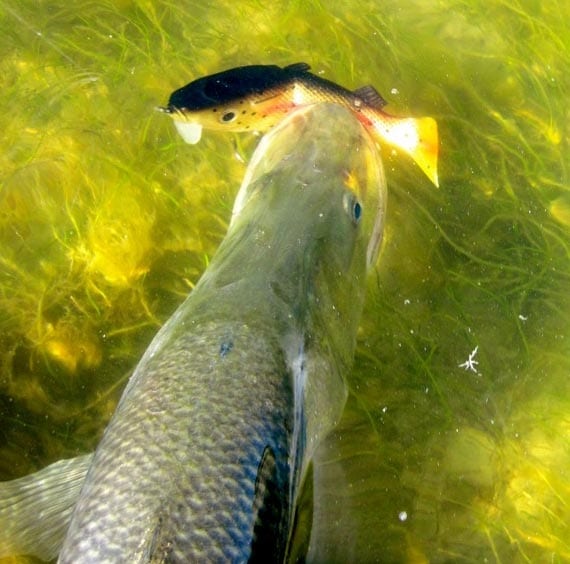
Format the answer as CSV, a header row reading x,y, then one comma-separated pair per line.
x,y
270,511
371,96
35,510
297,67
300,536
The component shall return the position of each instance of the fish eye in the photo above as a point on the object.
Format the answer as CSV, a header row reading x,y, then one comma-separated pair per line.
x,y
228,116
356,210
352,207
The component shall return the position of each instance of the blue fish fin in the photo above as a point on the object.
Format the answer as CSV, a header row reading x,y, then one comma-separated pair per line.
x,y
35,510
371,96
300,536
270,510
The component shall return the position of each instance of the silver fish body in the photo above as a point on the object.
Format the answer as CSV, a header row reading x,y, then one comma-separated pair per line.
x,y
204,456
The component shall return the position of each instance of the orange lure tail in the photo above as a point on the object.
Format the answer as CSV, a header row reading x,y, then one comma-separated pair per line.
x,y
417,137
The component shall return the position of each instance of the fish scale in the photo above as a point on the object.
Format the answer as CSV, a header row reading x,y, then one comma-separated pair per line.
x,y
175,459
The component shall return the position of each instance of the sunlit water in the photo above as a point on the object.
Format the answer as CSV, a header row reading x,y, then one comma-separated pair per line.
x,y
455,445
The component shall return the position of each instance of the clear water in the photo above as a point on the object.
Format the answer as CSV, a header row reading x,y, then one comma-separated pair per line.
x,y
107,219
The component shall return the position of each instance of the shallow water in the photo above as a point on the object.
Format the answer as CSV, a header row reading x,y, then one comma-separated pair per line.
x,y
107,219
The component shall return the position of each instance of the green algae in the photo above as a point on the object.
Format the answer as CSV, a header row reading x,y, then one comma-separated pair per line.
x,y
107,221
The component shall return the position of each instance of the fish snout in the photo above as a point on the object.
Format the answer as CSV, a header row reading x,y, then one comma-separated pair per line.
x,y
165,109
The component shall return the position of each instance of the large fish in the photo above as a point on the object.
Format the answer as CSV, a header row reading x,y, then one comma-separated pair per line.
x,y
256,97
205,454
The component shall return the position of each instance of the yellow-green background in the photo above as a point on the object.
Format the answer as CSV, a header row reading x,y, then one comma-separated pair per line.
x,y
107,220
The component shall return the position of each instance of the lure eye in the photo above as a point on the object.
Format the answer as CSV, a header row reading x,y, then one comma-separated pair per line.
x,y
352,207
228,116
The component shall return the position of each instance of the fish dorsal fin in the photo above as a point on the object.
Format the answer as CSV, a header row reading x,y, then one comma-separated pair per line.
x,y
298,67
371,96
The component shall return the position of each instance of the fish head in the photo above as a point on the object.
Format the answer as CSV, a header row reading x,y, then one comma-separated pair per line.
x,y
248,98
322,171
309,219
307,222
306,228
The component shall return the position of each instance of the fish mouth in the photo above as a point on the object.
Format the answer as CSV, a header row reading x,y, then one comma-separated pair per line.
x,y
167,109
190,131
172,110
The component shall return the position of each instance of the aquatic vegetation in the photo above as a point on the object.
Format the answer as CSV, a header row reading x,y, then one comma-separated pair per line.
x,y
560,210
81,225
118,242
107,220
508,494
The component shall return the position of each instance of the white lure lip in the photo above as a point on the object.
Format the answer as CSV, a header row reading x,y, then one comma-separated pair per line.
x,y
190,132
